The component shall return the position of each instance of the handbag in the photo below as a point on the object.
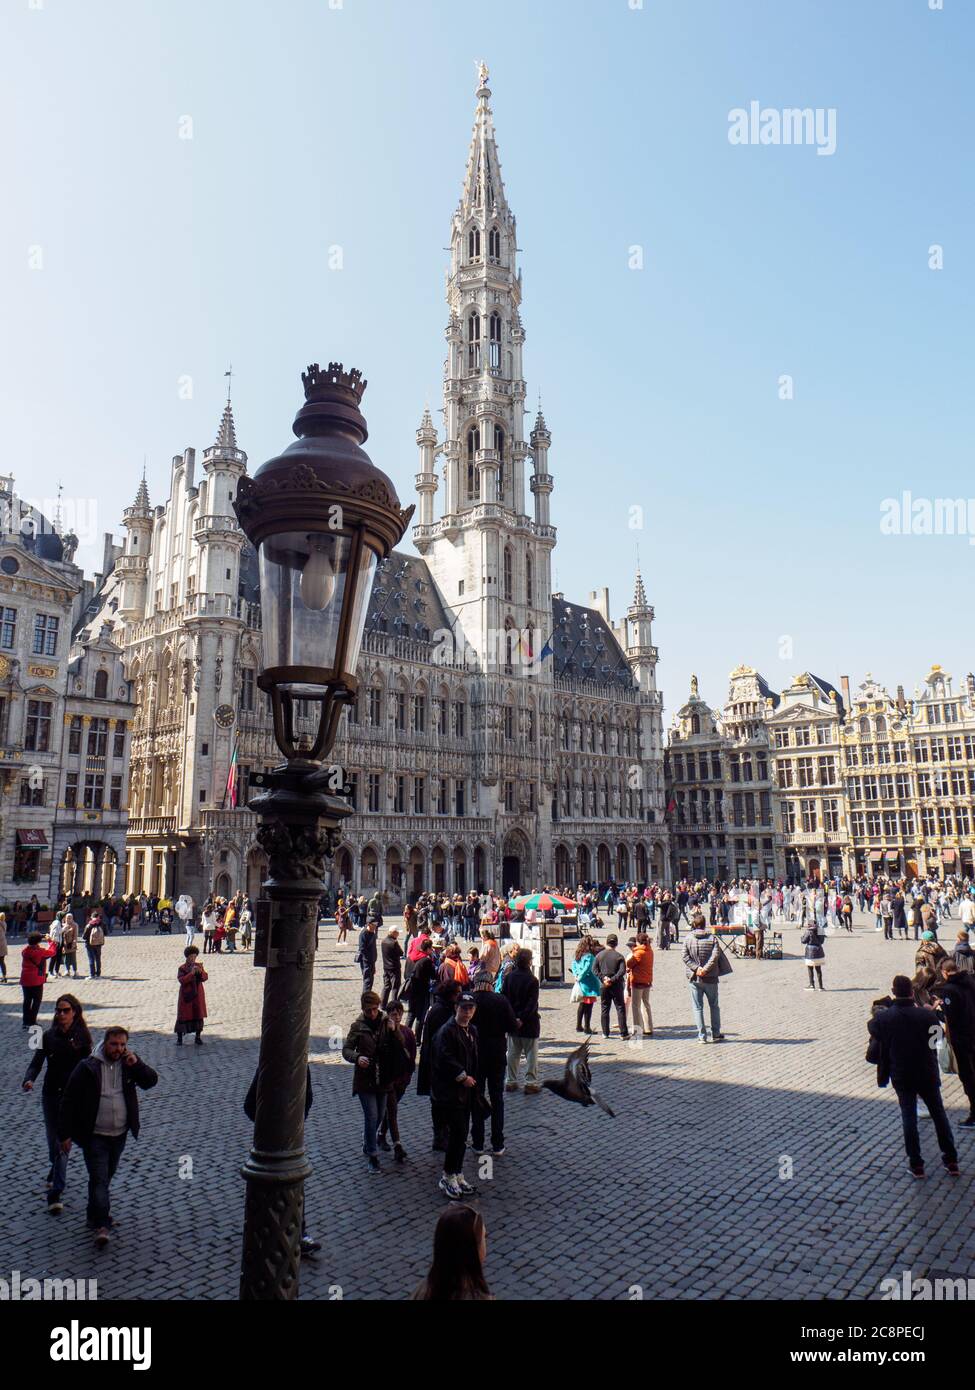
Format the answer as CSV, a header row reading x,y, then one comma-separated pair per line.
x,y
724,964
946,1057
576,994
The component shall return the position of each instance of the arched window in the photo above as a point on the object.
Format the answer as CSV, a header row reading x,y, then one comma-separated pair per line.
x,y
508,580
695,723
864,726
473,440
494,244
474,244
474,342
494,334
529,581
101,685
880,724
499,450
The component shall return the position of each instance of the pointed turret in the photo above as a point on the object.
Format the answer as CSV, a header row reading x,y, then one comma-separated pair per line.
x,y
640,651
541,480
132,566
426,479
216,531
227,433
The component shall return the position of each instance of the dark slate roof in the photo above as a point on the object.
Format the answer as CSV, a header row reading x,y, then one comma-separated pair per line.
x,y
767,692
405,601
585,648
46,545
826,687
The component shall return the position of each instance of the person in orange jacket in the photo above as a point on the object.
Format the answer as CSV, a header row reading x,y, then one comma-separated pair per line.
x,y
639,982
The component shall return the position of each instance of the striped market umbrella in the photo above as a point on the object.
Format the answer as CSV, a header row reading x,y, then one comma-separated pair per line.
x,y
541,902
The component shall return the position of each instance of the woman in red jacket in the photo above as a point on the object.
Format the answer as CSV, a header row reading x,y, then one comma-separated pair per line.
x,y
33,974
192,1007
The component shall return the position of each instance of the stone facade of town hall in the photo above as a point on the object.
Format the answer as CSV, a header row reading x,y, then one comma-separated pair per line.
x,y
503,736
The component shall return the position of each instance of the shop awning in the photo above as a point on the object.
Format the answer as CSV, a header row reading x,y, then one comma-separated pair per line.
x,y
875,856
893,854
948,856
34,839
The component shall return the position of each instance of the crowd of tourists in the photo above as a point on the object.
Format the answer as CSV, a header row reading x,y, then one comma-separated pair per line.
x,y
458,1015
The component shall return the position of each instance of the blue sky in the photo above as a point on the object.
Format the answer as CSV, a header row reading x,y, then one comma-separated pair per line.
x,y
163,258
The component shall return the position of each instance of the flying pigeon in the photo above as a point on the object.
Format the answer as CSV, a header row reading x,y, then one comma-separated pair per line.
x,y
576,1082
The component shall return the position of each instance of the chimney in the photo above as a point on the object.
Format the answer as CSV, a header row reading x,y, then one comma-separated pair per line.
x,y
902,699
845,687
599,599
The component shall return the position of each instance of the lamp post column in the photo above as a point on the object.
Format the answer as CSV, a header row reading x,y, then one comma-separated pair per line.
x,y
297,831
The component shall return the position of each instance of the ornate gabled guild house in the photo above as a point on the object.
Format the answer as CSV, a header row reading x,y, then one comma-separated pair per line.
x,y
502,736
720,780
65,712
804,736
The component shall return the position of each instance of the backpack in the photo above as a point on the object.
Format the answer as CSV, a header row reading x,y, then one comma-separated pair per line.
x,y
96,937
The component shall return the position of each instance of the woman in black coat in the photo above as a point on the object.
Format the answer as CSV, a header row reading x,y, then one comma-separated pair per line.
x,y
814,955
64,1045
441,1011
420,975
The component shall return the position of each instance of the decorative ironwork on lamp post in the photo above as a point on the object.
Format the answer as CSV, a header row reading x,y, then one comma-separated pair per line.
x,y
321,516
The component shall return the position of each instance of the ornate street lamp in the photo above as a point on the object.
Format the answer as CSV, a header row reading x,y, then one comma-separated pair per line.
x,y
321,516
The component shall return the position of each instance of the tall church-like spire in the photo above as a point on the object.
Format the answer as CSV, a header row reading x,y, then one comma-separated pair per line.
x,y
483,192
486,553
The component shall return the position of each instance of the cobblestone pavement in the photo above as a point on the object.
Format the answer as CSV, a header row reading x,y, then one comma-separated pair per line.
x,y
771,1166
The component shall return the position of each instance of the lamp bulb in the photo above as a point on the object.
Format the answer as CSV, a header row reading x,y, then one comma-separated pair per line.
x,y
317,584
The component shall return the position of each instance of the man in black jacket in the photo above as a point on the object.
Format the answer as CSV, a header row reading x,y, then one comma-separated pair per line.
x,y
453,1082
668,927
366,952
909,1038
955,1001
610,966
392,953
520,987
495,1022
99,1108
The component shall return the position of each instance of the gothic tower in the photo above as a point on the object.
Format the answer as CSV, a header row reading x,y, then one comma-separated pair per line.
x,y
489,559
